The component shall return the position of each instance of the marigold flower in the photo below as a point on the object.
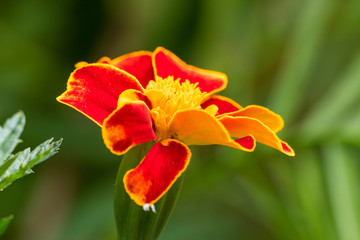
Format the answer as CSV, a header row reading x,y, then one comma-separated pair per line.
x,y
154,96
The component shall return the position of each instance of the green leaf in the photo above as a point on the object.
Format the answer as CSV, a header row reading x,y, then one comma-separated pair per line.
x,y
302,51
16,166
4,222
312,197
343,179
9,135
338,102
21,163
131,220
13,167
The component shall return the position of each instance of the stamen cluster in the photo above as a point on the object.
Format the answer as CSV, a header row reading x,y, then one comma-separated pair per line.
x,y
177,95
168,96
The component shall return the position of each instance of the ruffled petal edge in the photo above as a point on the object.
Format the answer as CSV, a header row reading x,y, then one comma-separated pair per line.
x,y
166,64
93,90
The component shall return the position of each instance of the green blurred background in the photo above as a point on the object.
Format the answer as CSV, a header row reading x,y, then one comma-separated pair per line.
x,y
299,58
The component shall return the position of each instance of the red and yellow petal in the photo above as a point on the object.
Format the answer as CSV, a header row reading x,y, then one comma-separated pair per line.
x,y
224,104
264,115
247,142
157,172
166,64
134,95
138,64
197,127
130,124
243,126
94,90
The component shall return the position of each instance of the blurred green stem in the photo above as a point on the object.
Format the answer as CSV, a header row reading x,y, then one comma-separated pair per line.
x,y
132,221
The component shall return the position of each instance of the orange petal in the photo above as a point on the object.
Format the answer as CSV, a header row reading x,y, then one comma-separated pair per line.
x,y
168,64
224,104
197,127
94,90
106,60
264,115
156,97
138,64
157,172
243,126
130,124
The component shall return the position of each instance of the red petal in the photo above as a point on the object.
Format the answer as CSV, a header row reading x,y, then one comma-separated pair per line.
x,y
224,104
287,149
168,64
152,178
243,126
94,90
138,64
130,124
247,142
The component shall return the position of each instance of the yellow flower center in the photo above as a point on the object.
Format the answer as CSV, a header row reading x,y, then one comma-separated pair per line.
x,y
169,96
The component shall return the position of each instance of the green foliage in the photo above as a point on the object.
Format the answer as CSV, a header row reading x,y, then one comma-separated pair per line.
x,y
13,167
9,135
4,222
299,58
